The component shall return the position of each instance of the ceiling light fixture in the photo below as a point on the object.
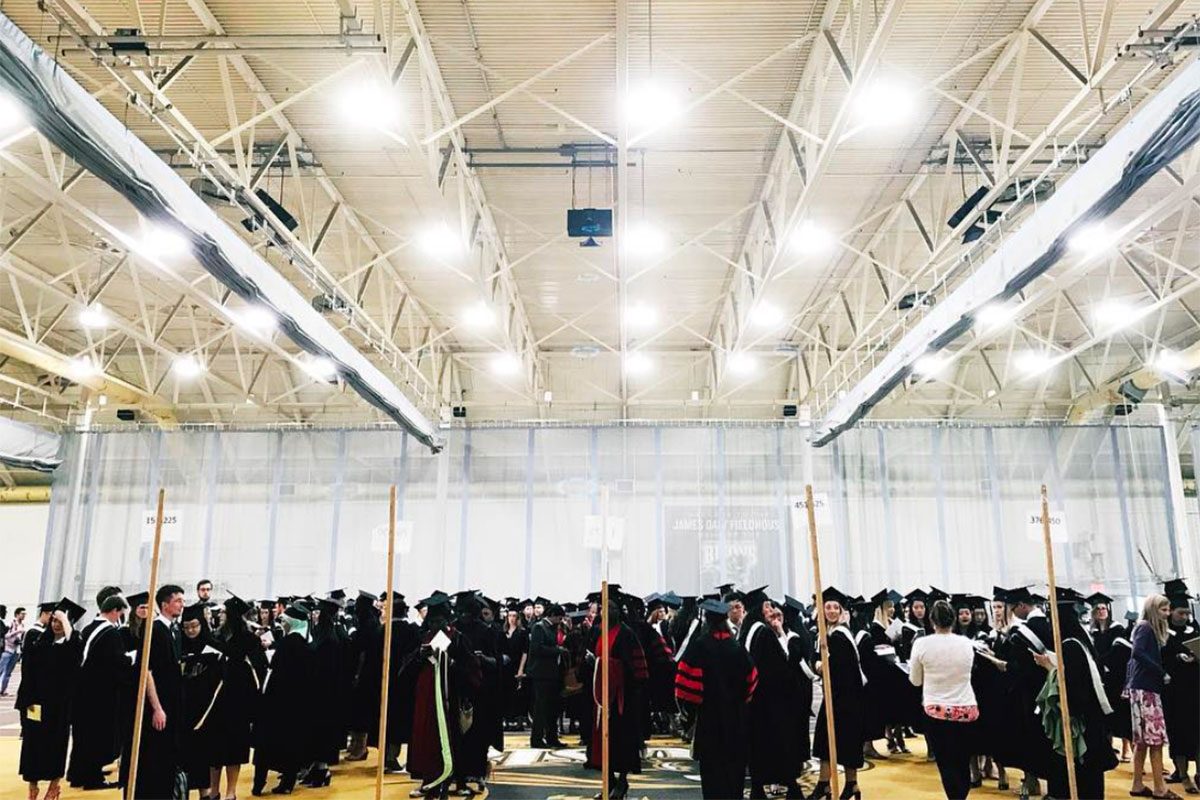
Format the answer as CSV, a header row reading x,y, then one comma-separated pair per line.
x,y
12,114
643,239
506,364
742,363
440,242
82,367
885,103
641,315
93,316
993,315
638,363
766,315
1113,315
1090,239
1171,363
651,105
929,365
159,241
187,366
1033,362
369,105
320,368
809,238
478,315
257,319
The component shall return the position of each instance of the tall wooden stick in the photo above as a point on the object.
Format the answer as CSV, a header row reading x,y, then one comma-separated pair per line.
x,y
139,712
387,643
823,632
1068,744
605,756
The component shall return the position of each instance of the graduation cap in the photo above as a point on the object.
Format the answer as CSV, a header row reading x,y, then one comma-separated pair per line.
x,y
832,595
1037,598
724,589
236,606
960,601
1000,594
1066,596
194,612
718,607
1021,594
1098,599
672,600
1179,600
138,599
894,596
755,597
47,607
978,602
1174,587
542,601
654,601
73,610
297,611
880,597
437,600
266,605
936,594
526,603
794,604
917,596
1131,616
467,601
365,596
330,605
338,594
576,616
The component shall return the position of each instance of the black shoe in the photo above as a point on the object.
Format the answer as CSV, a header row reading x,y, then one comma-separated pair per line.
x,y
392,766
318,777
820,791
851,790
258,789
286,785
556,743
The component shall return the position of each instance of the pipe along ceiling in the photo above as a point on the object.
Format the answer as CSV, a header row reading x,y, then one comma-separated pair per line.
x,y
1162,129
75,122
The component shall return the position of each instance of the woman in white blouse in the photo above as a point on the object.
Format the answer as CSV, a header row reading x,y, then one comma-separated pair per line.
x,y
941,665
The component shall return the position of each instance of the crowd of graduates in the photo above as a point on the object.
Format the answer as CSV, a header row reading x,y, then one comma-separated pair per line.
x,y
293,685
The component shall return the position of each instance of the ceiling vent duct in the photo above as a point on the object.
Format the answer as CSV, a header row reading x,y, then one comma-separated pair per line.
x,y
81,127
1164,127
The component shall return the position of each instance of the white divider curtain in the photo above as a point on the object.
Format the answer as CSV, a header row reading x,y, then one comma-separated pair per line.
x,y
268,512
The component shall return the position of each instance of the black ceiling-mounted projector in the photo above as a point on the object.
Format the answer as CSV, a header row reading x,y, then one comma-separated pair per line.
x,y
589,222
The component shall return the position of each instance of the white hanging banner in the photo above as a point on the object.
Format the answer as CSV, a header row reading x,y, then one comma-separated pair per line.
x,y
172,525
404,537
593,531
822,510
615,533
1058,526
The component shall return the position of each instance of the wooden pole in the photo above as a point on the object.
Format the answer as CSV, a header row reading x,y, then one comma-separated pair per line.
x,y
1068,744
605,758
823,633
387,643
139,712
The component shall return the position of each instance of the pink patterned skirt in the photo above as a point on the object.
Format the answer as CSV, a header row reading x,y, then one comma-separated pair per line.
x,y
1149,725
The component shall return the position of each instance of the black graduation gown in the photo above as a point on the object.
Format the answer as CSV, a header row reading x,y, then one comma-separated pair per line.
x,y
1113,651
159,760
1181,696
1025,742
406,640
201,666
776,746
849,702
243,670
327,700
660,694
48,674
716,677
628,675
366,644
283,733
1084,695
909,633
892,699
95,717
800,655
487,726
991,693
516,700
458,673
